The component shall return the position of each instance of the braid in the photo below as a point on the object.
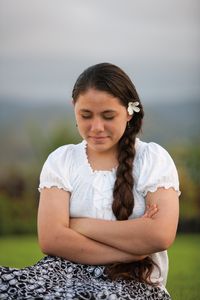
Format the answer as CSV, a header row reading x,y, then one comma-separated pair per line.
x,y
123,189
123,204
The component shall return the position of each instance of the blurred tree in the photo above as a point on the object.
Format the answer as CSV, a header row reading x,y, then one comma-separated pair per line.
x,y
13,184
187,158
44,142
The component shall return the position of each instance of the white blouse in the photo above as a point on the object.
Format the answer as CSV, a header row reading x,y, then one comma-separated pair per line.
x,y
91,191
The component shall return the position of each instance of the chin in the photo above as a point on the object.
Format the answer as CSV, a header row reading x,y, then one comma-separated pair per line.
x,y
101,147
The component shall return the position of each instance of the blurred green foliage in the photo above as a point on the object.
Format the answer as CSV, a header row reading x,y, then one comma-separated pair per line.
x,y
17,214
18,184
187,158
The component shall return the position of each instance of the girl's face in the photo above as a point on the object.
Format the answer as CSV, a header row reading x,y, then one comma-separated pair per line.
x,y
101,119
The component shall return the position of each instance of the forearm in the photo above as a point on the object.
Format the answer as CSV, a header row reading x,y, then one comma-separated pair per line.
x,y
141,236
136,236
70,245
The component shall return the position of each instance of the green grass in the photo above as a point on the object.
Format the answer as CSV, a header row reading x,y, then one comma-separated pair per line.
x,y
19,251
184,268
184,255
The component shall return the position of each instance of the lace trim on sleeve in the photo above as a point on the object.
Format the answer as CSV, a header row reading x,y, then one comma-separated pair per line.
x,y
51,185
166,185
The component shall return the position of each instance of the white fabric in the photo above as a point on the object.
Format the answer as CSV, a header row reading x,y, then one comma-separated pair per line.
x,y
91,191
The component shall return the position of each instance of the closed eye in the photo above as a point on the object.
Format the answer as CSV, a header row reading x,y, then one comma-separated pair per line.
x,y
86,116
108,117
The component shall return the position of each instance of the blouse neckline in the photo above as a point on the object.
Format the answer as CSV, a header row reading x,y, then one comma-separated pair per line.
x,y
93,171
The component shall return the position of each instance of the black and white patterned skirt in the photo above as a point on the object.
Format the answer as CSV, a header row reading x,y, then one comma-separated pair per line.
x,y
56,278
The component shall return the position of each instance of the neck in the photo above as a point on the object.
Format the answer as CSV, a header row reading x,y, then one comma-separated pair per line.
x,y
102,160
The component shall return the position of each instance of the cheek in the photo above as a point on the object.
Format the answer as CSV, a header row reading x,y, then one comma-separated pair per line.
x,y
121,130
82,125
117,128
121,124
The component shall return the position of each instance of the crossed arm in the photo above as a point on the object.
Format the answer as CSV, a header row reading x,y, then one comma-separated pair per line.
x,y
91,241
58,239
139,236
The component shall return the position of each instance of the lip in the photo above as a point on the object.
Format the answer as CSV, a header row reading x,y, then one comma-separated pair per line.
x,y
98,137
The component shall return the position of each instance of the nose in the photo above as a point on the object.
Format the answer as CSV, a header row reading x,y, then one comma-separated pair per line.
x,y
97,125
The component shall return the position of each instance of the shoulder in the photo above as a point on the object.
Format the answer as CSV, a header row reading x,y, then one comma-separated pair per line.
x,y
154,167
151,152
59,167
64,158
65,152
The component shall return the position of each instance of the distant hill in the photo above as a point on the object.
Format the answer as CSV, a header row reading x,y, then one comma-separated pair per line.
x,y
173,123
21,122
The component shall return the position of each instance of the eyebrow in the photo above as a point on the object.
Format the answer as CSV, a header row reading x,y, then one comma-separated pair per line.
x,y
105,111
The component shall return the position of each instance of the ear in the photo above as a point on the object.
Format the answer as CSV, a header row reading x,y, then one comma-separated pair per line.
x,y
129,117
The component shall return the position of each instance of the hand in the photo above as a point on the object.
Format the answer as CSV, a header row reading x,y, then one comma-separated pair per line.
x,y
151,210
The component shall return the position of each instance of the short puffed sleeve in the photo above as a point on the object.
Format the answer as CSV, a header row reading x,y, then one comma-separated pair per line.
x,y
156,169
56,170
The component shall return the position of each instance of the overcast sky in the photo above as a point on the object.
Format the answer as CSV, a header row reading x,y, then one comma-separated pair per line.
x,y
45,44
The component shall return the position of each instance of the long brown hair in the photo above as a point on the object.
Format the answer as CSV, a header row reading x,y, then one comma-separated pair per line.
x,y
113,80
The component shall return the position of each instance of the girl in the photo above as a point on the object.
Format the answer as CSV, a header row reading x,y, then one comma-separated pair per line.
x,y
108,206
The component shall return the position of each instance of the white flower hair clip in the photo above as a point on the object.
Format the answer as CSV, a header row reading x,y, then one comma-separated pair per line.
x,y
132,106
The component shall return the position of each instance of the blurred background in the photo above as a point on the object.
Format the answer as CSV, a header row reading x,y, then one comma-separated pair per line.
x,y
46,44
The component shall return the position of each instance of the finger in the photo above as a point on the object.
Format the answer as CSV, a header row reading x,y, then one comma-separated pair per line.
x,y
152,212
